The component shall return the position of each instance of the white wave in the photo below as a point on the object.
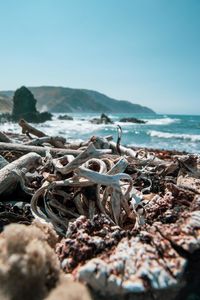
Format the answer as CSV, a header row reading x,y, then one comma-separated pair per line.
x,y
10,127
73,129
166,135
163,121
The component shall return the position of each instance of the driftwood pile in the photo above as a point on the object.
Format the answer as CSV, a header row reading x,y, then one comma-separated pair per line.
x,y
129,220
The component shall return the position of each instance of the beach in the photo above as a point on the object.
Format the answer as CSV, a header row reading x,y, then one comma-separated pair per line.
x,y
96,207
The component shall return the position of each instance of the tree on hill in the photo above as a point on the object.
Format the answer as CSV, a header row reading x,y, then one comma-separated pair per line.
x,y
24,106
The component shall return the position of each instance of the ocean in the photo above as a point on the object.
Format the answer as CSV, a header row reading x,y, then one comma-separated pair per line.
x,y
174,132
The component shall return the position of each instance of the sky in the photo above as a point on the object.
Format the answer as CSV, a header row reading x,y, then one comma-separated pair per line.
x,y
144,51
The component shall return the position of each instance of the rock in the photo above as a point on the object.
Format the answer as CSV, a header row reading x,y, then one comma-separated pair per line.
x,y
132,120
65,117
104,119
156,259
85,239
95,121
23,102
189,182
24,106
160,258
134,266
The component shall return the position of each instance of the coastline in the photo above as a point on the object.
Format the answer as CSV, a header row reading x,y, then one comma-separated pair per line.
x,y
158,132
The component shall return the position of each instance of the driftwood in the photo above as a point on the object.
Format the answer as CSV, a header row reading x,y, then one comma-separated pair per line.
x,y
90,152
9,175
85,181
4,138
141,156
56,141
130,224
81,145
27,128
107,144
38,149
77,145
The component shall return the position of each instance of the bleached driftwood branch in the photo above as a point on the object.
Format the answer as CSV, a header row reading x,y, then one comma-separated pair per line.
x,y
4,138
113,181
38,149
90,152
27,128
120,167
56,141
9,174
107,144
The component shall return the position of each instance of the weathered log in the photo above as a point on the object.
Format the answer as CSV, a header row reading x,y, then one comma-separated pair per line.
x,y
27,128
4,138
76,145
56,141
9,174
38,149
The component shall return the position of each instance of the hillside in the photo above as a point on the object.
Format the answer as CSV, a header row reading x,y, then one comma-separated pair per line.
x,y
5,104
60,99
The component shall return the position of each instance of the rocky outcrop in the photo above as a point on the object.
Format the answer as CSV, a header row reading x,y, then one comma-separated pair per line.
x,y
24,106
132,120
104,119
65,117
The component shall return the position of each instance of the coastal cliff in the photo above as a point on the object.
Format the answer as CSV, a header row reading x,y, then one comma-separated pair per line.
x,y
60,99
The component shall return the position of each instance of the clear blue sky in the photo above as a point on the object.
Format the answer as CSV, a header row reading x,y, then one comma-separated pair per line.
x,y
145,51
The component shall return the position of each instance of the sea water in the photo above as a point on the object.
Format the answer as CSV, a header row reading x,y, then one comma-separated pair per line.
x,y
179,132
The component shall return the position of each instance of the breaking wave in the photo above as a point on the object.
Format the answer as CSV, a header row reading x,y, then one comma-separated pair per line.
x,y
163,121
166,135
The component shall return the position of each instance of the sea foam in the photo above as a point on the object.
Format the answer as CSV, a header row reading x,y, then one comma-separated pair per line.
x,y
163,121
167,135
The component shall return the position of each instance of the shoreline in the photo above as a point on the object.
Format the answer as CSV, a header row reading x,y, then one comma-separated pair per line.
x,y
162,132
19,137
